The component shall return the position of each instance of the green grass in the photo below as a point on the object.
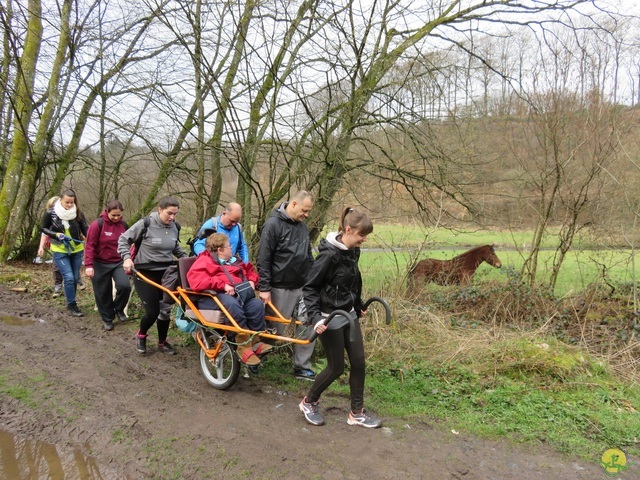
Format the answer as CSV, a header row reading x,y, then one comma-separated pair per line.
x,y
414,236
25,390
584,418
580,268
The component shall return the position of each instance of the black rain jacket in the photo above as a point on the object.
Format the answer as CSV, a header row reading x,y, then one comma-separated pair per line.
x,y
334,282
284,257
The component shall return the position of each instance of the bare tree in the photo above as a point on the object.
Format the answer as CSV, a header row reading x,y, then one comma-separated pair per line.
x,y
6,19
17,178
273,99
23,105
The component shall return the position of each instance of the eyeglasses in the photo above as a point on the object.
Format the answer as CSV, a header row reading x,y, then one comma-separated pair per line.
x,y
224,247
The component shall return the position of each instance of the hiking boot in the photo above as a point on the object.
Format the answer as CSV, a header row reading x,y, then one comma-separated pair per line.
x,y
108,326
363,419
311,412
141,343
74,310
304,374
166,347
121,316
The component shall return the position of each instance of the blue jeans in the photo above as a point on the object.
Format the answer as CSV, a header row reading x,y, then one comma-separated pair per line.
x,y
69,266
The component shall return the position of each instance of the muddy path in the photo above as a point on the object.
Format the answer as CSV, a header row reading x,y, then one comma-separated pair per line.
x,y
117,415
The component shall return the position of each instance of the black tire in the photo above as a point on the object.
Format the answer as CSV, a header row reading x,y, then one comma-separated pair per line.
x,y
223,371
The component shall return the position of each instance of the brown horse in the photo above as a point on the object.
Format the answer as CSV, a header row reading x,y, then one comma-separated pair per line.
x,y
456,271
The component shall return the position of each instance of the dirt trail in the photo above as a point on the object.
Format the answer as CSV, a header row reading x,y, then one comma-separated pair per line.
x,y
139,417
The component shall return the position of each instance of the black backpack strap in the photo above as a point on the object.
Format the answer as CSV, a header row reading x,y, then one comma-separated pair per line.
x,y
100,222
147,222
179,227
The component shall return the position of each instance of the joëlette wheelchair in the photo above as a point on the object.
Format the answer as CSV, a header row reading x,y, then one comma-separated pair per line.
x,y
219,362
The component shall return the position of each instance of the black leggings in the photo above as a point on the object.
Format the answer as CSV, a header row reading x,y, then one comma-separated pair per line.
x,y
151,297
335,342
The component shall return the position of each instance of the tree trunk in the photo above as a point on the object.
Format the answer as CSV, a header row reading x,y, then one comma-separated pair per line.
x,y
23,110
5,75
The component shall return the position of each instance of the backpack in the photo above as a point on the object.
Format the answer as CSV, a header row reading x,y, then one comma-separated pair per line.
x,y
136,246
204,233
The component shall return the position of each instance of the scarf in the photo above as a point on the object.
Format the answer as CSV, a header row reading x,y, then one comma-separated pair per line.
x,y
64,214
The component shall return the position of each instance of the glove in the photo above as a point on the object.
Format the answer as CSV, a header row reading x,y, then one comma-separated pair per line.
x,y
61,237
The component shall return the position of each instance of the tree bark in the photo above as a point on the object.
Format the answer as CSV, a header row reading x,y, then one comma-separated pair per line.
x,y
24,106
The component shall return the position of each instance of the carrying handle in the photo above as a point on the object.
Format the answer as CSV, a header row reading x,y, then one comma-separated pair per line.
x,y
387,311
314,334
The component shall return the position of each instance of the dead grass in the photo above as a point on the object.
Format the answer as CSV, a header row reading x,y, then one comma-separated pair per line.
x,y
493,327
510,330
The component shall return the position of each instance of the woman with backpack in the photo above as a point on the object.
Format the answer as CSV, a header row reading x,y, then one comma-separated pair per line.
x,y
66,228
156,241
103,264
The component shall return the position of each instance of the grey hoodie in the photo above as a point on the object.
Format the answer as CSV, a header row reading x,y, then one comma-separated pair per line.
x,y
159,245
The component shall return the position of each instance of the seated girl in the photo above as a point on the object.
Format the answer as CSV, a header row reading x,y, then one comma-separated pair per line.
x,y
216,269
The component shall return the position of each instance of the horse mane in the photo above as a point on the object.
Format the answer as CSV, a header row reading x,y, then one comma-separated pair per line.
x,y
472,251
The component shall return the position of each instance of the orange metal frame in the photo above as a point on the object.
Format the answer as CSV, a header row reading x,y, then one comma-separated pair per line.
x,y
182,295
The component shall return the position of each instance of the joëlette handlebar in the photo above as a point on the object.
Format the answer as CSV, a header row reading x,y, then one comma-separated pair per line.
x,y
157,285
387,309
335,313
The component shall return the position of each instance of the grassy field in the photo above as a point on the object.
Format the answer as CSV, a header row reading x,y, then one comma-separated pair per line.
x,y
401,246
413,236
